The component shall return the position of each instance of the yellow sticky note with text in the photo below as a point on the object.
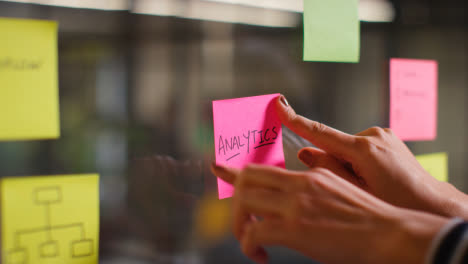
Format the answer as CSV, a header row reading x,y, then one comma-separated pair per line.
x,y
436,164
50,219
29,107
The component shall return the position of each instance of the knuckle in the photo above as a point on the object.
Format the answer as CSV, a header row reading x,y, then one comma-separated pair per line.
x,y
305,182
317,127
364,144
369,147
297,208
388,131
378,131
316,181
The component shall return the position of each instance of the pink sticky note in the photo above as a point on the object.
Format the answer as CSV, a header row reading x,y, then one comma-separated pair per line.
x,y
246,130
413,99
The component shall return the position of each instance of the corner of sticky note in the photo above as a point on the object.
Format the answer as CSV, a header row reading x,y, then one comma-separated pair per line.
x,y
246,130
436,164
50,219
331,30
413,99
29,107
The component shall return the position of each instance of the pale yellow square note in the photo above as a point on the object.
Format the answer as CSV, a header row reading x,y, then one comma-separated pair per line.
x,y
52,219
29,107
436,164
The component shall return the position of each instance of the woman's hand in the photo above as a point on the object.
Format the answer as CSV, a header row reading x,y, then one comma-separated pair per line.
x,y
324,217
378,162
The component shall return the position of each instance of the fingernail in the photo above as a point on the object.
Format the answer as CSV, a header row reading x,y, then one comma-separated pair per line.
x,y
307,158
305,155
284,101
217,167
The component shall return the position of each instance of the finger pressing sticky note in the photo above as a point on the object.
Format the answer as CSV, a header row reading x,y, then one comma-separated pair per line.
x,y
28,80
246,130
53,220
436,164
413,99
331,30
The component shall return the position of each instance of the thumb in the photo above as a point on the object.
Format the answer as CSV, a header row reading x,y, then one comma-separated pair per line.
x,y
226,174
313,157
316,158
334,142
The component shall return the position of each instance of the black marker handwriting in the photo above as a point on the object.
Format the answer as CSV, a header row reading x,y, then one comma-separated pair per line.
x,y
20,64
244,142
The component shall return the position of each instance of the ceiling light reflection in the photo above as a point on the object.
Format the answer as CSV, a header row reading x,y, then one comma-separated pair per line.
x,y
89,4
216,11
271,13
369,10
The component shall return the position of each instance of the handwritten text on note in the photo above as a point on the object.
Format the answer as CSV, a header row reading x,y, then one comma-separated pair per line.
x,y
413,99
247,130
29,101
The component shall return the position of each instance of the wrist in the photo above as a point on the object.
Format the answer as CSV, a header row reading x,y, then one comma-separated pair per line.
x,y
449,201
410,235
458,203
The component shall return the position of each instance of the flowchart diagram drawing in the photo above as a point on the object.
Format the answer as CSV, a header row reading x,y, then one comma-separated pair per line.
x,y
50,219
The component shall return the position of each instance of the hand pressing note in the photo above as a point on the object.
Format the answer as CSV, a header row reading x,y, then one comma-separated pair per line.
x,y
378,162
318,213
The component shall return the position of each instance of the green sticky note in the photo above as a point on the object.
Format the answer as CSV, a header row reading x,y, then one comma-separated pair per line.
x,y
29,107
436,164
331,30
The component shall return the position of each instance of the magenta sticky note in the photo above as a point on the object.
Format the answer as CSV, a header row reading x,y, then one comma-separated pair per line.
x,y
246,130
413,99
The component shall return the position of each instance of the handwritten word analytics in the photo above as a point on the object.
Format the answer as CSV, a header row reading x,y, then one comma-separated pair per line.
x,y
252,139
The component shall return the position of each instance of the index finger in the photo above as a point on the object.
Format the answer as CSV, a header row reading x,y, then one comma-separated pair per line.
x,y
270,177
329,139
259,176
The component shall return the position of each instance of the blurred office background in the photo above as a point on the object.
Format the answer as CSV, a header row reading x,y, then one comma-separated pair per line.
x,y
137,78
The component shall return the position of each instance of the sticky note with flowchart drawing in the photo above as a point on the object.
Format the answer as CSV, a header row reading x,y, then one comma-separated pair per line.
x,y
29,107
50,219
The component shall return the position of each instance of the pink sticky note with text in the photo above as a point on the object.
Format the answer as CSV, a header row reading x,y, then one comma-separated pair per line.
x,y
413,99
246,130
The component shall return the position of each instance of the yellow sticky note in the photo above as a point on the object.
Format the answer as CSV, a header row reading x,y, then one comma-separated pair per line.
x,y
52,219
29,107
436,164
